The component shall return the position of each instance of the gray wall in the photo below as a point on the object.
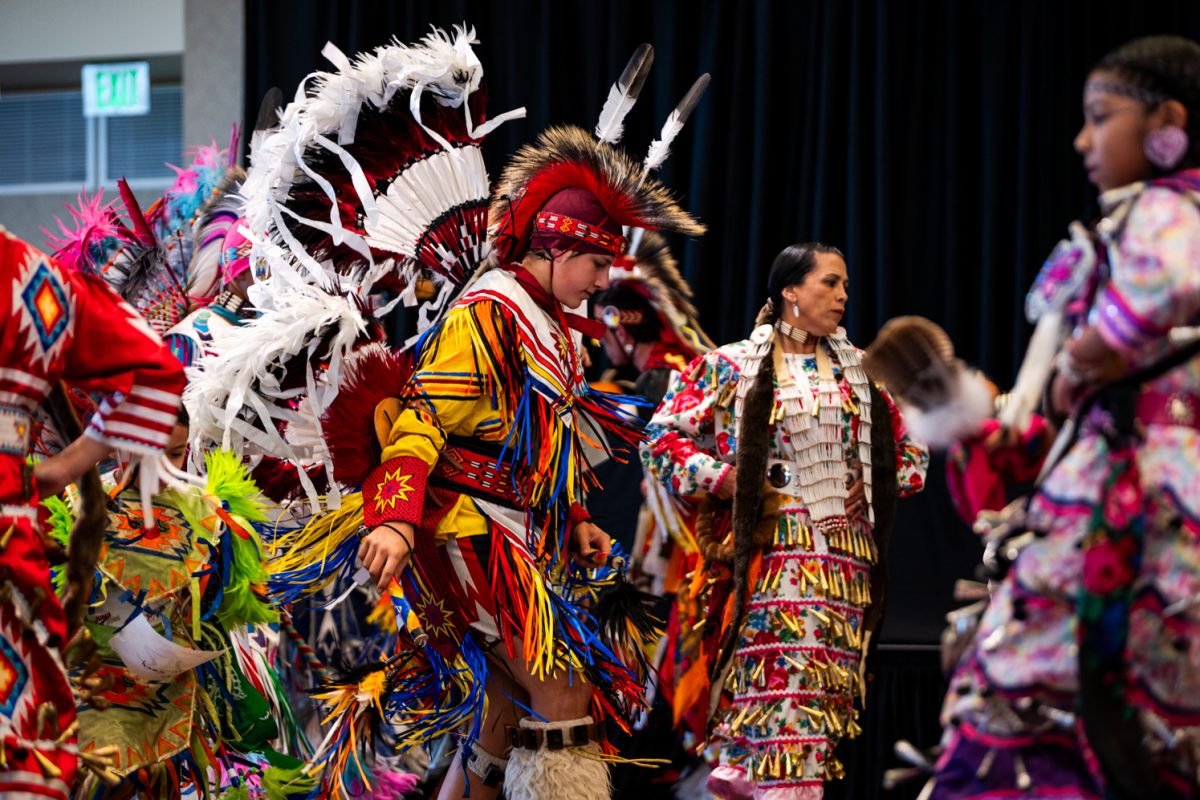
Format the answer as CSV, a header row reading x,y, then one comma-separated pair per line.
x,y
200,42
26,215
213,69
108,30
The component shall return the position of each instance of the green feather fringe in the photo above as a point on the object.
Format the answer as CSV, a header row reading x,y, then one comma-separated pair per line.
x,y
62,519
283,783
242,604
229,480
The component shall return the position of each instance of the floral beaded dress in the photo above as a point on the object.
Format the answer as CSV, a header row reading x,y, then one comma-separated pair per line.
x,y
796,670
1011,714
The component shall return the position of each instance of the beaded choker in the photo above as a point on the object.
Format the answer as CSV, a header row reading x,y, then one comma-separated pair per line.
x,y
791,332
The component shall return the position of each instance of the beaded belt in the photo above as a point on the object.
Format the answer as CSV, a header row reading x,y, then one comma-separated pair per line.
x,y
474,469
15,424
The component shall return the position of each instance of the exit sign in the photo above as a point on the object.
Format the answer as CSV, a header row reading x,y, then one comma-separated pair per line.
x,y
111,90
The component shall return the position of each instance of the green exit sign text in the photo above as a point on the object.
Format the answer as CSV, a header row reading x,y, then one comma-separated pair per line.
x,y
116,89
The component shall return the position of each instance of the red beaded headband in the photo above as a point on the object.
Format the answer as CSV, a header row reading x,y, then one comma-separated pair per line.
x,y
569,226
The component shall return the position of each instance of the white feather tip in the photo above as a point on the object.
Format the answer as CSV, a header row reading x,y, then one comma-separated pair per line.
x,y
959,418
623,94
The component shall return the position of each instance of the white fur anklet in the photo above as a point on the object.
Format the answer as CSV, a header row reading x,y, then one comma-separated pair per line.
x,y
487,766
557,767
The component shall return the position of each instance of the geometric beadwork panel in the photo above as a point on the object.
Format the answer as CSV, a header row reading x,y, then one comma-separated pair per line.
x,y
44,308
13,677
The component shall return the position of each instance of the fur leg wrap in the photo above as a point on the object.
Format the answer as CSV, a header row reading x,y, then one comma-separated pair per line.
x,y
488,767
545,774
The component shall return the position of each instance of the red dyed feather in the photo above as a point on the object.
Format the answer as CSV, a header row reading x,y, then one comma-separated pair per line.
x,y
349,422
622,207
280,480
565,157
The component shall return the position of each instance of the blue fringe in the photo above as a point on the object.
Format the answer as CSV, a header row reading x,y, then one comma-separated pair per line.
x,y
290,586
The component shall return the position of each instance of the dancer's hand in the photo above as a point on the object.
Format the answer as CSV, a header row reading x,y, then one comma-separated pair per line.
x,y
53,474
385,551
856,500
1092,358
590,545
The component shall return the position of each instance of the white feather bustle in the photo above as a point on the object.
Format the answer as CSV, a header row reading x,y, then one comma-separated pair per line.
x,y
442,64
236,398
245,376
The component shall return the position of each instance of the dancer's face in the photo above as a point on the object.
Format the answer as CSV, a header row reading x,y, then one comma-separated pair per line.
x,y
820,299
177,445
616,345
1110,140
577,276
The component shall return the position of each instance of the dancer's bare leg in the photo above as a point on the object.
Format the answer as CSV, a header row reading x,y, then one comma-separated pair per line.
x,y
564,764
552,698
501,713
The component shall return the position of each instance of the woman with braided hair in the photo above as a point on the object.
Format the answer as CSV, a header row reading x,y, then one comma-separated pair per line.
x,y
788,427
1083,679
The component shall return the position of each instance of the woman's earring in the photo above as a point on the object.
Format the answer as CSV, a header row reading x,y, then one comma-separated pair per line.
x,y
1165,147
796,310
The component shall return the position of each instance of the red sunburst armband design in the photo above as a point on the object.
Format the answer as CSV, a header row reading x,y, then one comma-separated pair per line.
x,y
395,492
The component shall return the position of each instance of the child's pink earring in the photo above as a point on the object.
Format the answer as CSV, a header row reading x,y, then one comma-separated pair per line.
x,y
1165,147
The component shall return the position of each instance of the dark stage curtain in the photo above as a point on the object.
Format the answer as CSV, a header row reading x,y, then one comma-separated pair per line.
x,y
931,141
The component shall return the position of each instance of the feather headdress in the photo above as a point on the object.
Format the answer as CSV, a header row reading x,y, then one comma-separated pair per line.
x,y
651,271
92,238
376,170
569,157
371,178
209,270
148,257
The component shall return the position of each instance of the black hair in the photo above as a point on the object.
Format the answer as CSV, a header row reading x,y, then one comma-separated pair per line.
x,y
1167,67
626,298
755,430
791,267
